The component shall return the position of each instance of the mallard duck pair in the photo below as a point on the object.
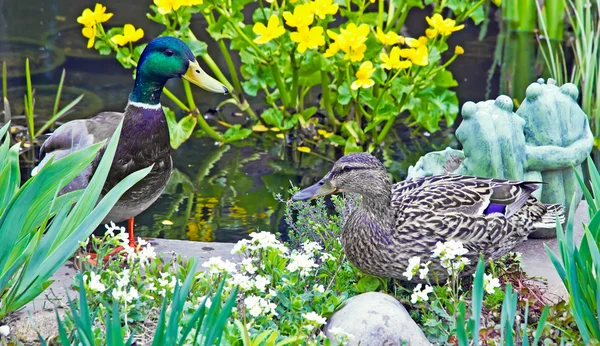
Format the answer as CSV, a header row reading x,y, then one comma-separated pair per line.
x,y
396,222
144,138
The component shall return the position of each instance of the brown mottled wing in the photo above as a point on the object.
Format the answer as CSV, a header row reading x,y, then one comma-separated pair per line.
x,y
75,135
463,194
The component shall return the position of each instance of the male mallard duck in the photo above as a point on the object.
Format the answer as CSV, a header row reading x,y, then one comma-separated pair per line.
x,y
407,219
144,138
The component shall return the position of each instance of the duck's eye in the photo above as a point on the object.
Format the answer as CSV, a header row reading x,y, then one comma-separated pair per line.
x,y
346,169
169,52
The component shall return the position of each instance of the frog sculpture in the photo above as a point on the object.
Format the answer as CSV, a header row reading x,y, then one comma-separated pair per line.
x,y
542,141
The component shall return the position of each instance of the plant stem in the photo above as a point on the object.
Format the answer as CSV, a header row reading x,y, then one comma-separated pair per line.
x,y
188,94
388,125
380,16
176,100
29,103
234,75
327,99
209,131
403,14
59,92
472,9
294,92
285,97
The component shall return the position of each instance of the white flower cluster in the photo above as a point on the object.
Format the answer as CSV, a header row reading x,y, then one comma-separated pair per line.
x,y
450,254
257,306
340,335
258,241
216,265
302,262
490,283
94,284
420,295
314,320
121,292
414,265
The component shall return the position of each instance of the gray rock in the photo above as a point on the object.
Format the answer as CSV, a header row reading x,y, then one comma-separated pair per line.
x,y
375,319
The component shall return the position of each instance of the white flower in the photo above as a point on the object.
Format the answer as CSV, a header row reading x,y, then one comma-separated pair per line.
x,y
95,284
216,265
327,257
141,242
151,287
243,281
419,295
413,266
266,240
315,318
248,266
208,301
261,282
146,254
301,262
256,306
311,247
110,229
319,288
123,279
240,247
84,243
340,335
4,330
424,271
132,294
490,283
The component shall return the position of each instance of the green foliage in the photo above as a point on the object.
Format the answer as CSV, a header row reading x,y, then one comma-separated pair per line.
x,y
39,230
176,326
29,104
578,266
290,62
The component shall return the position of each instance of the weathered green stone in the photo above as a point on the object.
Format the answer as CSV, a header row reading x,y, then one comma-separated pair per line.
x,y
547,136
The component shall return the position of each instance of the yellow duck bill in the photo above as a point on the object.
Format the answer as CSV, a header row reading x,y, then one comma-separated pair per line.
x,y
196,75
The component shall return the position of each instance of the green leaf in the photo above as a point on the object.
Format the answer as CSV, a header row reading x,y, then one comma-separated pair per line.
x,y
368,284
344,95
273,117
444,79
236,133
196,46
179,132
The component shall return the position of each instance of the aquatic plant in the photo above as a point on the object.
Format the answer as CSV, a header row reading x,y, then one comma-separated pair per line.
x,y
29,103
39,230
368,74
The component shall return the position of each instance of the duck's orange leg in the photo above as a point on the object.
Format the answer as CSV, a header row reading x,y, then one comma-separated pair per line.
x,y
130,224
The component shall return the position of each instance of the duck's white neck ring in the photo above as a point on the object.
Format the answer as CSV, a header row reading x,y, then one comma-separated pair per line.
x,y
144,105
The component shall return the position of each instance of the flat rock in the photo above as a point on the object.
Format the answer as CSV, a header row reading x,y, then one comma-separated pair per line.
x,y
537,263
375,319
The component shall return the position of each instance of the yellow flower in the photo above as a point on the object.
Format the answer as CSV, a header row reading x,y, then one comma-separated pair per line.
x,y
420,56
306,38
191,2
275,129
259,128
90,33
389,39
267,33
351,40
166,6
415,43
303,16
99,15
304,149
430,33
280,135
393,60
444,27
322,8
363,76
324,133
497,2
459,50
130,34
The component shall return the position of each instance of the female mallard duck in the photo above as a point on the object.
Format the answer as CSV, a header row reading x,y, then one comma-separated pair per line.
x,y
144,138
396,222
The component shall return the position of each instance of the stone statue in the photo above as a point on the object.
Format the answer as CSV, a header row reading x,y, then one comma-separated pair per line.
x,y
547,136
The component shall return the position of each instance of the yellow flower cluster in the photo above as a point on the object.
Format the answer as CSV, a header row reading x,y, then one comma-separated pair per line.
x,y
90,19
301,18
351,40
167,6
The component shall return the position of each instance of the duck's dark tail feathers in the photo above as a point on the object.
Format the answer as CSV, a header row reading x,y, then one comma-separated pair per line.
x,y
548,220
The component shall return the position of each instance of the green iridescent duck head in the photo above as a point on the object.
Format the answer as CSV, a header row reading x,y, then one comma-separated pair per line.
x,y
165,58
360,173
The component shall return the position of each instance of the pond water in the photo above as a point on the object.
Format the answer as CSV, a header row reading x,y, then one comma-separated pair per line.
x,y
217,193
